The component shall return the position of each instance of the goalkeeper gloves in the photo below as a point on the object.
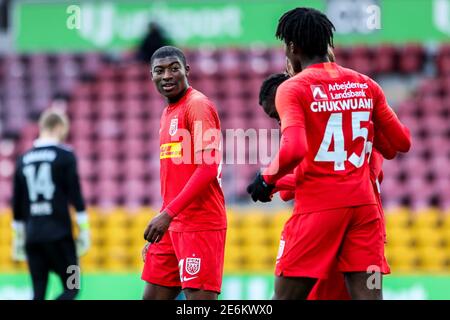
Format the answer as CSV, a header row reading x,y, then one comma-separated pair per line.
x,y
18,242
260,190
83,241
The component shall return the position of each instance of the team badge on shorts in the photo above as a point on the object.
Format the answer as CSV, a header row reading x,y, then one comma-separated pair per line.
x,y
192,265
173,126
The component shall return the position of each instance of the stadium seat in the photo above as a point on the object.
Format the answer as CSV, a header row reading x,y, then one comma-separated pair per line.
x,y
135,192
426,218
91,260
256,235
234,259
399,218
398,236
6,264
234,219
274,234
384,56
433,259
402,259
116,258
234,237
139,220
281,217
429,237
254,219
5,251
115,120
97,236
259,257
116,218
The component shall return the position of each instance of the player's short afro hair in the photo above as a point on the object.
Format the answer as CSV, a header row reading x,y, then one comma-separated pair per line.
x,y
269,84
168,51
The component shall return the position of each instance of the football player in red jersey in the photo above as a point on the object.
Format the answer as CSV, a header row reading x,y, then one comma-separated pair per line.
x,y
332,288
187,238
326,113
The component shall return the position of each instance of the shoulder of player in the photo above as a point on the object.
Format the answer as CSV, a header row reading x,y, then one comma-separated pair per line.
x,y
65,147
164,112
66,151
356,74
198,100
61,152
296,83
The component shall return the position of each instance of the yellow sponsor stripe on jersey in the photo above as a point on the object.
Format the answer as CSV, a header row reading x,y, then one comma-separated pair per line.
x,y
170,150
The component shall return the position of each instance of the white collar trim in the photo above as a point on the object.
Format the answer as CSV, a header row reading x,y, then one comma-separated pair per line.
x,y
46,142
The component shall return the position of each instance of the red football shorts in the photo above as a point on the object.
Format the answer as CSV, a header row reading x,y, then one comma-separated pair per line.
x,y
332,288
187,260
311,243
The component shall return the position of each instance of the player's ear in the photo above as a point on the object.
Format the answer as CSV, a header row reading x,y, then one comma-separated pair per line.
x,y
151,72
188,68
291,47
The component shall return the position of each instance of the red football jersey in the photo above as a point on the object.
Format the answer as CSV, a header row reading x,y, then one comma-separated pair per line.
x,y
376,168
288,182
188,127
336,105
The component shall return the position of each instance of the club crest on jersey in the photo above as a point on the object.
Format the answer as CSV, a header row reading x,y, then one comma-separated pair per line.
x,y
192,265
318,92
173,126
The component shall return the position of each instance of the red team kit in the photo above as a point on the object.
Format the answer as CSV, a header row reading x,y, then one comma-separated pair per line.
x,y
191,254
337,223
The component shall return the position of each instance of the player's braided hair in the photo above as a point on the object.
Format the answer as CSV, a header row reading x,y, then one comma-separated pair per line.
x,y
309,29
268,85
168,51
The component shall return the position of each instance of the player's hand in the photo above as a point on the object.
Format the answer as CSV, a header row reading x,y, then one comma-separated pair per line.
x,y
83,242
260,190
18,242
144,251
18,250
157,227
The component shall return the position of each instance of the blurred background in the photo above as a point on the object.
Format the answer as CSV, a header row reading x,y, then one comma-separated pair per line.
x,y
90,57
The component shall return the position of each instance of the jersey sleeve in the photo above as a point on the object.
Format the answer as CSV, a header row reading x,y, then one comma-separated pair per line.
x,y
288,105
75,195
382,144
204,125
202,177
293,146
375,165
385,119
286,183
18,193
287,195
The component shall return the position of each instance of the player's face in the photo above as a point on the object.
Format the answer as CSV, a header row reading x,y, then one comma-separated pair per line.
x,y
170,77
269,107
